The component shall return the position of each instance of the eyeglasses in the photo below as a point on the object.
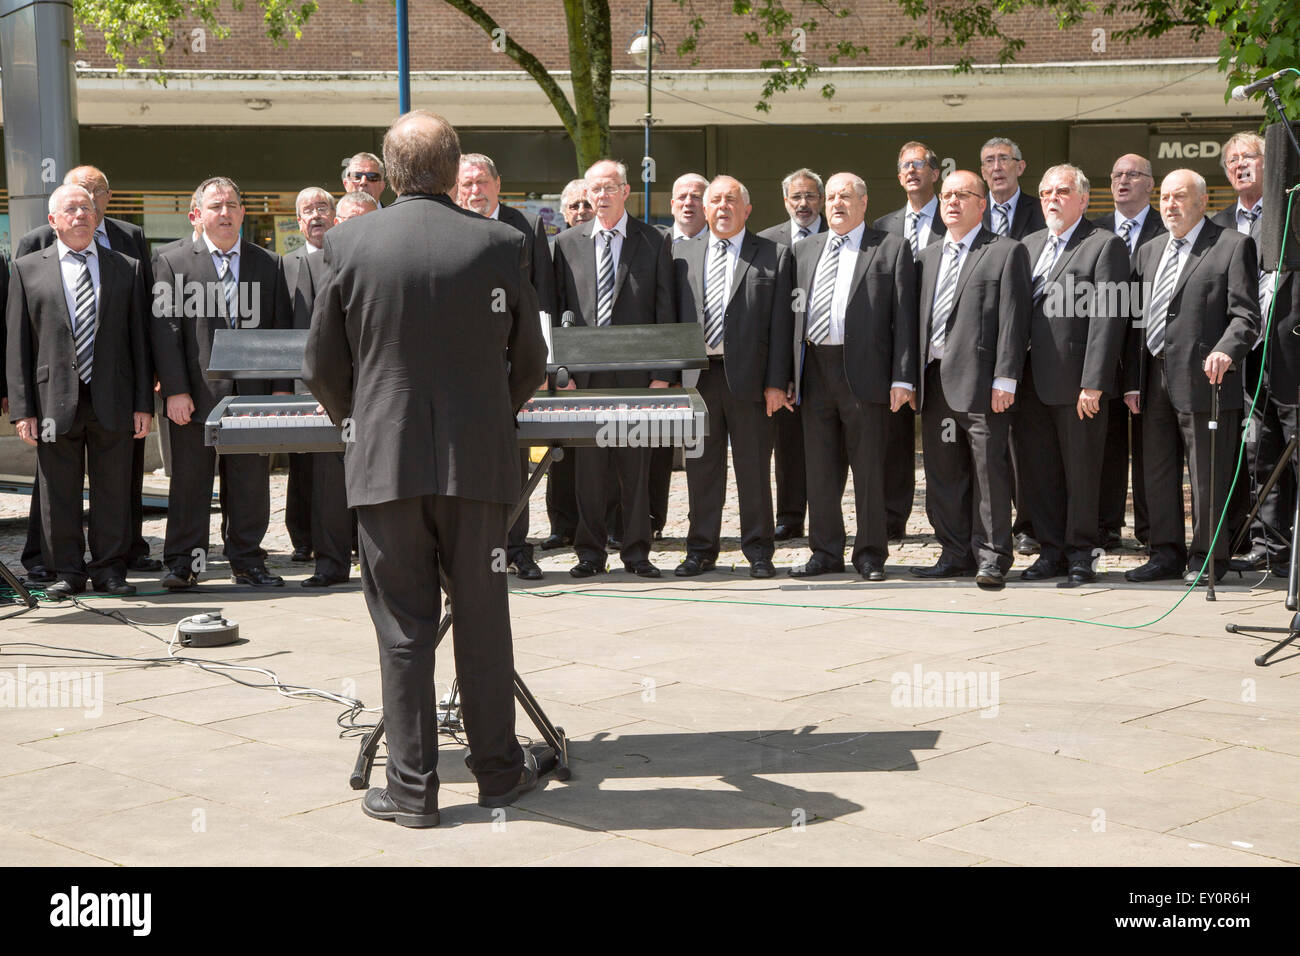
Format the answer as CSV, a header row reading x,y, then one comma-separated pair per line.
x,y
803,197
1128,174
365,177
1238,159
917,164
605,189
321,209
1001,159
1062,191
958,195
580,204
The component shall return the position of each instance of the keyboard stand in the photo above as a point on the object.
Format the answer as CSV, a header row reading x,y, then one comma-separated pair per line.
x,y
553,756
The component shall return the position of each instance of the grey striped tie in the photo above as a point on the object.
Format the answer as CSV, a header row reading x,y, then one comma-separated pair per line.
x,y
83,329
912,219
1126,232
944,298
803,232
229,287
1044,266
715,294
605,279
1161,297
819,315
1002,221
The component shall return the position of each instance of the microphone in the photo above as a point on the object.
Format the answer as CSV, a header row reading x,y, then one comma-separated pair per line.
x,y
567,319
1246,92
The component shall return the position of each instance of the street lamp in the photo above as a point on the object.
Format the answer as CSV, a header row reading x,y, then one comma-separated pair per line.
x,y
645,47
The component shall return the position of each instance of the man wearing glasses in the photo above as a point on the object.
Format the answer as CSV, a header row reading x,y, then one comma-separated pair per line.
x,y
364,173
918,222
1135,222
974,329
1076,333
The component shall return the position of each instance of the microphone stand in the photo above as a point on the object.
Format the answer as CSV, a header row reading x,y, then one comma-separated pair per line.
x,y
1214,431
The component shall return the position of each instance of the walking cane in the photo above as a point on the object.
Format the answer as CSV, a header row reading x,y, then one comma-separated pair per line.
x,y
1214,431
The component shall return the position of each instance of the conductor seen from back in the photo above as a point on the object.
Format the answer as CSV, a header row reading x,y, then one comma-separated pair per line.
x,y
425,335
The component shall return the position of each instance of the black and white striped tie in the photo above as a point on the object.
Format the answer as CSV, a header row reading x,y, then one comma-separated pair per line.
x,y
1044,266
1126,233
1161,296
715,295
944,298
819,315
605,279
1002,221
229,287
912,219
83,330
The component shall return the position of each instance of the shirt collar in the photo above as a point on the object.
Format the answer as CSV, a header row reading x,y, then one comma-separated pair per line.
x,y
678,234
64,249
309,247
854,236
1140,217
213,250
732,243
101,230
968,240
929,209
815,228
619,227
496,212
1191,235
1013,203
1065,236
1258,207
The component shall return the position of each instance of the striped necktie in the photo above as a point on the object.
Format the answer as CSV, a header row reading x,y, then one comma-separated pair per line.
x,y
230,287
715,295
944,298
1044,266
83,330
1161,297
912,219
819,315
605,279
101,237
1002,221
1126,233
1249,215
803,233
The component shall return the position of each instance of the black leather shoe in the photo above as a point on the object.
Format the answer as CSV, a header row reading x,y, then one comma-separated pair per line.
x,y
1082,574
613,545
527,781
61,590
869,570
526,568
1108,539
300,555
257,578
786,532
944,569
586,569
1190,577
1152,571
1026,544
815,567
1042,570
693,565
180,580
762,568
990,577
1281,570
145,565
320,581
379,804
39,576
551,542
642,569
1257,560
116,586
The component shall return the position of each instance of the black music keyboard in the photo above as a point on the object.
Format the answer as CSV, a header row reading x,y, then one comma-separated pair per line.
x,y
614,418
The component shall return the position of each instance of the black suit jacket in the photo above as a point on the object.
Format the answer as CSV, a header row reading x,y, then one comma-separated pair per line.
x,y
782,231
303,275
643,285
1152,226
1215,308
758,320
410,340
541,271
41,353
879,320
988,328
1076,336
1284,341
895,223
1227,218
182,337
1028,218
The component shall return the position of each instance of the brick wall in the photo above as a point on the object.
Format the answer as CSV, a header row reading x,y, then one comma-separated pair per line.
x,y
343,35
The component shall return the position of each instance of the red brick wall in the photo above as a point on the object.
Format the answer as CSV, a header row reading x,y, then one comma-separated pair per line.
x,y
350,36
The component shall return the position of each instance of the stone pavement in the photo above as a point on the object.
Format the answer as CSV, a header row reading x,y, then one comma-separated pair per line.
x,y
713,721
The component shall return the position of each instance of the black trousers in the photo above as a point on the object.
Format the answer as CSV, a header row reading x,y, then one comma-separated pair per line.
x,y
331,521
791,471
298,501
1123,432
61,466
1162,453
592,467
838,427
900,468
751,433
562,496
245,502
967,479
1275,424
1060,464
517,544
1022,523
405,546
661,479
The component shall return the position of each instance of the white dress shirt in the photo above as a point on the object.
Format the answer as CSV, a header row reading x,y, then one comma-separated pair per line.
x,y
1062,241
848,259
1243,224
1014,202
733,256
217,256
815,228
615,244
925,217
70,271
1140,217
966,241
679,236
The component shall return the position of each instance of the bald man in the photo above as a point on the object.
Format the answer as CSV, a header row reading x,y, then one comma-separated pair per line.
x,y
1199,320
